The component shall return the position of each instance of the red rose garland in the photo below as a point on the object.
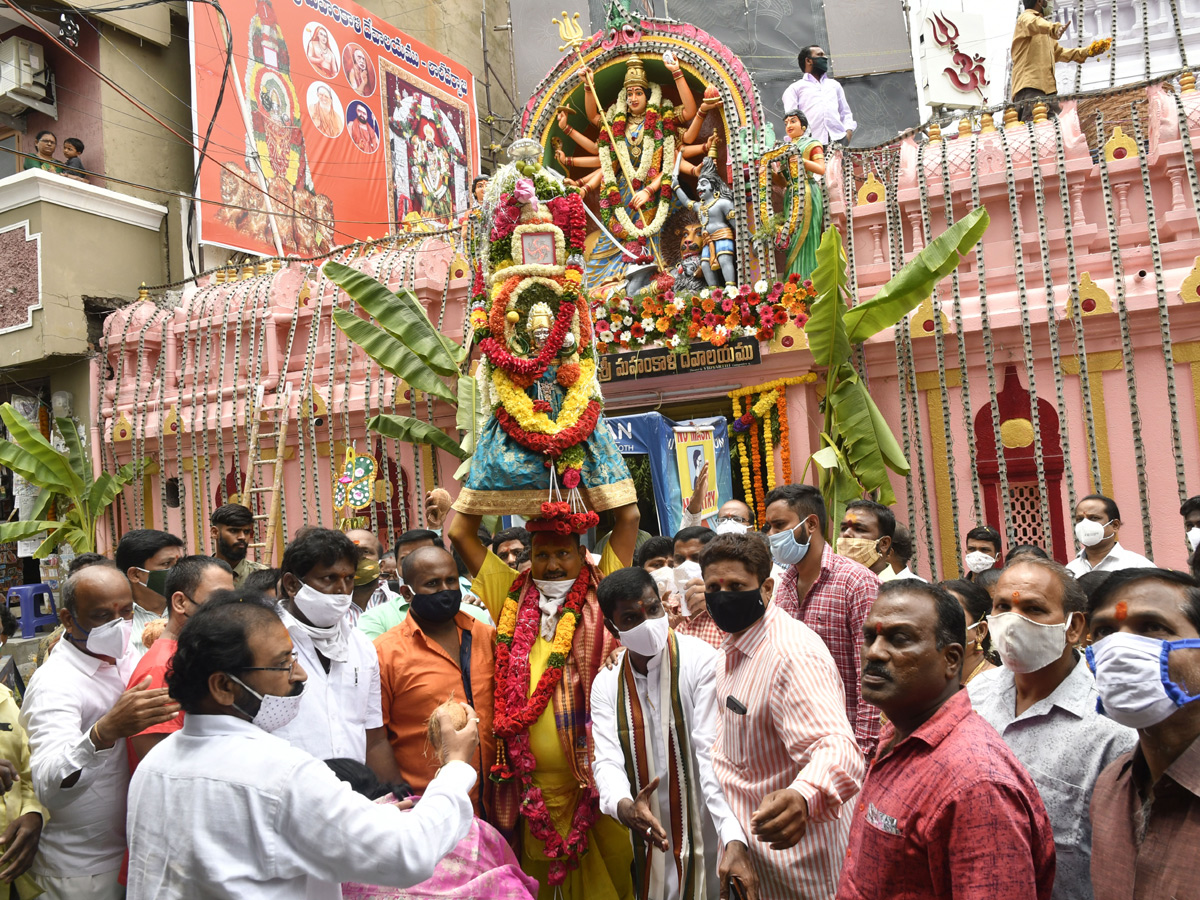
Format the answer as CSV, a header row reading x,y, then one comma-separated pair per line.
x,y
531,369
551,444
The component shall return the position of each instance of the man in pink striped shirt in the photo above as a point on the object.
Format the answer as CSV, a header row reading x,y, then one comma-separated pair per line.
x,y
829,593
785,754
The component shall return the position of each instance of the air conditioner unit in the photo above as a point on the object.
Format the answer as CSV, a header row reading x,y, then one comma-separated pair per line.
x,y
23,69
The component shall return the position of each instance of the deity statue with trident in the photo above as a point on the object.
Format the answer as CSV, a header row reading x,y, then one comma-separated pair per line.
x,y
628,164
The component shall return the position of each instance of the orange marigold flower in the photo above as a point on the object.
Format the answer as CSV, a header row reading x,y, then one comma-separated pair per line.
x,y
671,310
733,320
693,330
663,324
708,304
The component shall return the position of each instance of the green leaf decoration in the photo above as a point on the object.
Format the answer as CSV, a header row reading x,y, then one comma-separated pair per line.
x,y
392,355
414,431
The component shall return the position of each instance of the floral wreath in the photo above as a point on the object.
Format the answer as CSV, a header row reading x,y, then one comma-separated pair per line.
x,y
517,710
791,219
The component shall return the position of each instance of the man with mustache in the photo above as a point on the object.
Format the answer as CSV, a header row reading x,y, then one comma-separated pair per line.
x,y
946,810
231,532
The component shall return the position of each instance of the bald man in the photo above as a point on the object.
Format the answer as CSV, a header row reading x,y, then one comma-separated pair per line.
x,y
78,715
437,653
733,516
370,588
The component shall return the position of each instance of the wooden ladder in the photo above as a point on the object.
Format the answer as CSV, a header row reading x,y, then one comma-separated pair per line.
x,y
265,549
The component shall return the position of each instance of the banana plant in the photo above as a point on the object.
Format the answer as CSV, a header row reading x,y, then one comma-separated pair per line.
x,y
404,342
857,445
65,482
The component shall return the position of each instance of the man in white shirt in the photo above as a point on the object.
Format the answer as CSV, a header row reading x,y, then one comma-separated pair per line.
x,y
666,683
223,809
1097,521
821,99
900,554
78,715
1042,701
341,716
370,590
144,555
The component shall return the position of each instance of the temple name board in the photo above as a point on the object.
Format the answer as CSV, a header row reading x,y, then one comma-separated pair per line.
x,y
655,363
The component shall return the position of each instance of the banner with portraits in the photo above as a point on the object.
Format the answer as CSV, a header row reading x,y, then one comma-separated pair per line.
x,y
333,127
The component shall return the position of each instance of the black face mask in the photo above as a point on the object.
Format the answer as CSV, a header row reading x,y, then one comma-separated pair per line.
x,y
156,580
820,66
436,608
735,611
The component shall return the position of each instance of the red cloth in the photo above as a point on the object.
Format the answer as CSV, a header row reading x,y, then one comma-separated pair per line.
x,y
835,608
949,812
155,663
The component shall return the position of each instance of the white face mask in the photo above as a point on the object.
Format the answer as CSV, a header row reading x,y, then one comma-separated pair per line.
x,y
110,639
1025,645
648,637
1131,676
1090,533
731,527
323,610
978,561
554,591
274,712
1193,537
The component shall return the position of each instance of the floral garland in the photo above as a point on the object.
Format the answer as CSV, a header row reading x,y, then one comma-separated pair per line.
x,y
765,401
526,371
784,438
659,128
747,484
517,710
768,445
717,316
760,494
531,417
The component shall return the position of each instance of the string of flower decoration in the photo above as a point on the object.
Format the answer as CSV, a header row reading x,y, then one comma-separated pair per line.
x,y
760,495
785,442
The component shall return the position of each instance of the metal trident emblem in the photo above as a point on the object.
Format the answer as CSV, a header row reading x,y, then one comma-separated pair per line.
x,y
569,30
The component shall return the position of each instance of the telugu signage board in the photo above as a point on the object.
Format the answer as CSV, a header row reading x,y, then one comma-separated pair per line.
x,y
334,127
654,363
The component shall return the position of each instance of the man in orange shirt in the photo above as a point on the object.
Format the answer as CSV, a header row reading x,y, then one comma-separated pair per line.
x,y
189,584
437,653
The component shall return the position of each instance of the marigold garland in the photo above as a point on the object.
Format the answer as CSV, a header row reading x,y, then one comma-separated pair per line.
x,y
760,495
769,449
785,444
747,485
521,407
516,709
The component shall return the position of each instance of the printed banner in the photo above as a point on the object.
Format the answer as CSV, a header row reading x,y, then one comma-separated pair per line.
x,y
334,127
693,449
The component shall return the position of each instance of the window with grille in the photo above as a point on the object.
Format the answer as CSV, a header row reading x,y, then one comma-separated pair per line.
x,y
1026,526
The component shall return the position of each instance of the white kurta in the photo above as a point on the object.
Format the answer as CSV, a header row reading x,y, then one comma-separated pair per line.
x,y
698,693
339,705
222,809
67,696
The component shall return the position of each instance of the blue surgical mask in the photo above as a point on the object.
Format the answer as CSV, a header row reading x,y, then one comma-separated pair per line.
x,y
786,550
1132,680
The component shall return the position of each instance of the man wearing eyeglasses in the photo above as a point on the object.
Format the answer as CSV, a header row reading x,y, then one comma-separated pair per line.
x,y
224,808
733,516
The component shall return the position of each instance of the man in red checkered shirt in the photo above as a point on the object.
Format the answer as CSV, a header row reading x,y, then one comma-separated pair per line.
x,y
829,593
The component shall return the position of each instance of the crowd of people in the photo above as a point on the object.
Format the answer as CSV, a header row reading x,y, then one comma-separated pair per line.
x,y
726,712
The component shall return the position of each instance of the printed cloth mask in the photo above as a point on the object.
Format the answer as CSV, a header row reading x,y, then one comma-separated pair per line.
x,y
978,561
786,550
664,578
438,607
735,611
1090,533
367,571
274,712
728,526
1025,645
861,550
648,637
323,610
1131,676
109,639
686,571
1193,537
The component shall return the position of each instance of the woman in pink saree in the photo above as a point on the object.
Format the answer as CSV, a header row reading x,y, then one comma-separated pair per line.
x,y
482,865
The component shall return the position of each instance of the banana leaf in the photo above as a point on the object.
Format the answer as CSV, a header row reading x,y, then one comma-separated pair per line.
x,y
401,316
825,329
31,456
916,281
869,446
392,355
414,431
106,488
23,531
45,499
77,459
470,420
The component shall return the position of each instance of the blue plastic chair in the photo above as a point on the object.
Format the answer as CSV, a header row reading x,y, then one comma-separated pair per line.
x,y
31,619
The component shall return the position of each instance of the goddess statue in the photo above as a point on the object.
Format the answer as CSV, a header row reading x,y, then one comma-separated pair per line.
x,y
801,160
640,138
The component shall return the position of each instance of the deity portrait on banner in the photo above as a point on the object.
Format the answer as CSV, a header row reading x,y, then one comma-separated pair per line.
x,y
427,150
